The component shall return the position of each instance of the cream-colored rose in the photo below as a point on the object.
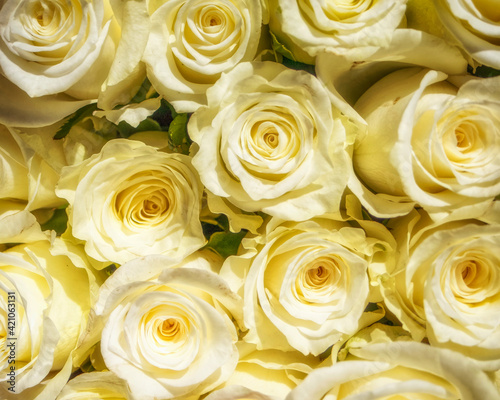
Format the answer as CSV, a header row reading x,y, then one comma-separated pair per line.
x,y
56,56
447,284
192,42
270,140
237,393
430,141
172,337
42,316
95,386
402,370
25,176
350,28
131,200
270,374
476,27
305,285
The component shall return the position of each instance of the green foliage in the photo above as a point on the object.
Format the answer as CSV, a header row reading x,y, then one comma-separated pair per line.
x,y
58,222
483,71
73,119
298,66
280,48
226,243
126,130
220,239
146,91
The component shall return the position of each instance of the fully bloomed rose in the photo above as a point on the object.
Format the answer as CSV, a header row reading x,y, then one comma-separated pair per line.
x,y
305,285
270,140
431,140
42,316
193,41
131,200
399,370
56,56
171,337
357,29
447,283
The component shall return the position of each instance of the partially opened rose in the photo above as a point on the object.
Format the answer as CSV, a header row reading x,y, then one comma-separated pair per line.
x,y
398,370
271,140
476,27
95,386
131,200
193,41
349,28
305,285
173,337
431,140
42,316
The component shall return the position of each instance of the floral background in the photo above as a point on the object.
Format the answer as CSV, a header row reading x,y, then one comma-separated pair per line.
x,y
249,199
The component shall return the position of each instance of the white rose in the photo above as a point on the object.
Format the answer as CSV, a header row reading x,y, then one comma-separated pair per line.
x,y
57,56
446,285
405,370
270,140
170,338
475,25
429,142
193,41
305,285
347,28
42,317
96,386
142,201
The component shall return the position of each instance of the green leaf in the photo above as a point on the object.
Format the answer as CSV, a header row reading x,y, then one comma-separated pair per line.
x,y
483,71
146,91
126,130
164,115
77,116
58,222
177,132
298,66
226,243
280,47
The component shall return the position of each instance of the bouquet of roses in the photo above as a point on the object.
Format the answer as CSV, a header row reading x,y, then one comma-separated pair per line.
x,y
249,199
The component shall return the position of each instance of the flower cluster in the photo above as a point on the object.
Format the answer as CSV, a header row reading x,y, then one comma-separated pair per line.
x,y
249,199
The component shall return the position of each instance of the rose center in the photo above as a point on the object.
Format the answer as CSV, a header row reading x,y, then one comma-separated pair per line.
x,y
271,139
169,329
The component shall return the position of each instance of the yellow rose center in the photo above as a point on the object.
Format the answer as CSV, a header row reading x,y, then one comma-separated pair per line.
x,y
144,200
490,9
320,278
343,9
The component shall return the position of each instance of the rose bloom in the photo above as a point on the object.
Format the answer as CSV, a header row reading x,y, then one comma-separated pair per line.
x,y
270,140
45,315
56,56
446,286
171,337
402,370
131,200
96,386
306,285
476,27
431,141
347,28
193,41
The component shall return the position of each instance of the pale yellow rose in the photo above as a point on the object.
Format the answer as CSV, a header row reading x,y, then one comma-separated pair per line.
x,y
306,285
446,286
271,140
431,140
131,200
474,26
402,370
57,56
95,386
42,317
192,42
352,29
171,337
